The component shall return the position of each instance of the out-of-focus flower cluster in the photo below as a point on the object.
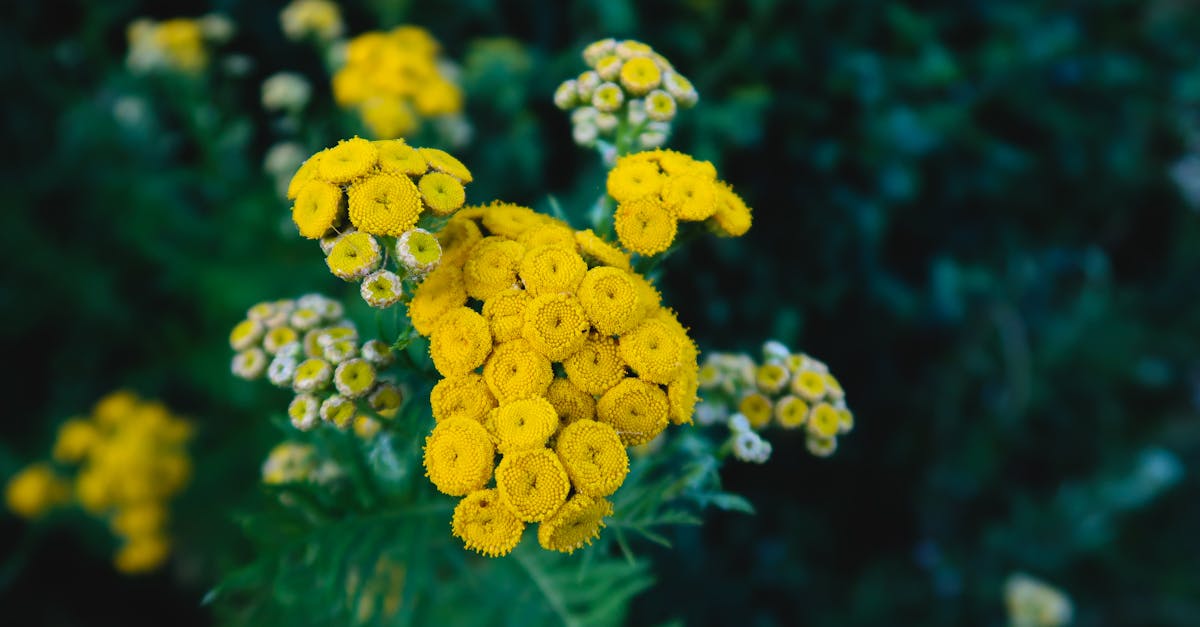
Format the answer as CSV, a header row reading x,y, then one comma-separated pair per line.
x,y
557,356
630,88
1035,603
658,189
306,345
364,199
296,462
128,459
785,389
320,20
179,44
394,79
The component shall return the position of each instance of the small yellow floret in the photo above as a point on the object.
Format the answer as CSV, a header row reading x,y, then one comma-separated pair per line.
x,y
461,342
823,420
601,251
691,197
681,395
492,266
791,412
316,208
632,179
442,161
636,409
397,157
652,350
442,193
515,371
611,299
35,490
594,457
525,424
555,325
75,438
576,524
570,402
465,396
350,159
485,525
533,484
305,173
441,291
757,409
384,204
550,269
458,456
354,256
733,216
505,313
644,226
142,554
596,366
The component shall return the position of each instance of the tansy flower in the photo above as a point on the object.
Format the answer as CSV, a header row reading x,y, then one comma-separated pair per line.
x,y
442,290
791,411
660,106
819,446
680,88
832,388
76,437
532,484
570,402
611,299
458,456
505,313
515,371
640,75
608,67
681,396
311,375
548,234
336,352
140,519
652,349
385,399
636,409
350,159
366,427
594,457
509,220
36,490
598,50
601,251
303,319
492,266
354,378
397,157
461,342
337,410
485,526
245,334
809,385
749,446
442,161
418,251
311,18
354,256
555,325
644,226
631,179
757,409
279,337
378,353
384,204
381,289
575,525
316,208
461,396
142,554
587,83
823,421
386,116
281,371
551,269
566,96
771,378
845,419
595,367
732,216
249,364
525,424
691,197
608,97
303,411
305,173
442,193
630,48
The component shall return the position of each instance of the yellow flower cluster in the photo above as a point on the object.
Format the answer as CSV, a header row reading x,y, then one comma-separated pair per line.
x,y
129,459
174,45
307,346
658,189
790,390
628,86
318,19
395,78
556,356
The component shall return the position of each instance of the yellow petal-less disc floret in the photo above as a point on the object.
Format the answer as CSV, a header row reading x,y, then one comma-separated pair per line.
x,y
601,251
533,484
611,299
632,179
808,385
515,371
596,366
691,197
509,220
463,396
384,204
771,378
570,402
142,554
652,350
316,208
555,325
350,159
485,525
732,217
644,226
386,399
525,424
354,378
505,313
757,409
823,420
306,173
551,269
397,157
636,409
492,266
547,234
245,334
442,193
457,238
442,290
311,375
35,490
459,456
461,342
441,161
354,256
76,437
681,395
594,457
791,411
640,75
575,525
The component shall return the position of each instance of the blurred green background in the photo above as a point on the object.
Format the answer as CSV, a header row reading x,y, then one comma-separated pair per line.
x,y
978,213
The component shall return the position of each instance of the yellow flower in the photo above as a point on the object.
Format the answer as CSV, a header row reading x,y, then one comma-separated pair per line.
x,y
691,197
337,410
75,438
279,337
608,67
640,75
532,484
505,313
140,519
809,385
485,525
757,409
317,207
418,251
515,371
461,342
791,411
681,395
386,399
384,204
824,421
652,350
594,457
771,378
611,299
596,366
306,173
387,117
381,289
576,524
350,159
598,50
636,409
492,266
631,179
366,427
555,325
732,217
354,378
142,554
35,490
608,97
462,396
551,269
303,411
660,106
681,88
458,456
317,18
644,226
629,48
441,291
832,388
441,161
442,193
397,157
570,402
93,490
351,86
511,220
457,238
819,446
525,424
845,420
354,256
311,375
547,234
601,251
